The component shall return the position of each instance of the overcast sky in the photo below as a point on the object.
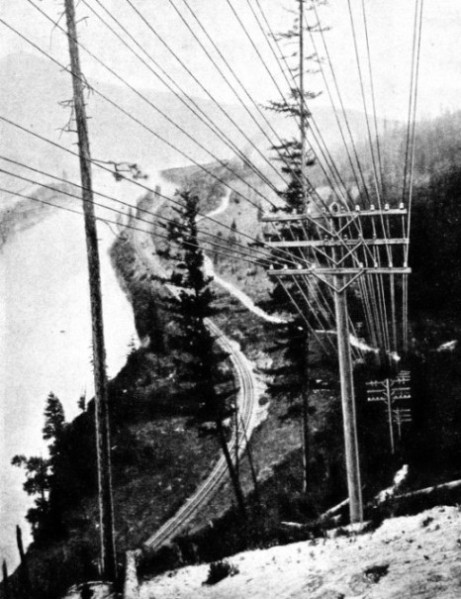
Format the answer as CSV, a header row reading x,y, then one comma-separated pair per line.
x,y
390,35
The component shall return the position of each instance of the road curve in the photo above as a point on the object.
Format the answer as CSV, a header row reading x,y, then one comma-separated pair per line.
x,y
247,402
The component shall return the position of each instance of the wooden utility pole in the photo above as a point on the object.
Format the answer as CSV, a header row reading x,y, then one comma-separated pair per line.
x,y
351,444
108,565
389,391
302,126
339,255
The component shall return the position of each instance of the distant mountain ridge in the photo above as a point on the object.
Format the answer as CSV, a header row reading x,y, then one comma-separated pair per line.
x,y
31,91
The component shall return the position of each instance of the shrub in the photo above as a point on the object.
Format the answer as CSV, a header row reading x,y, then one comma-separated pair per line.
x,y
220,570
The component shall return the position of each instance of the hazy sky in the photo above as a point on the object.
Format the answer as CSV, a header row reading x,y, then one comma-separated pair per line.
x,y
390,34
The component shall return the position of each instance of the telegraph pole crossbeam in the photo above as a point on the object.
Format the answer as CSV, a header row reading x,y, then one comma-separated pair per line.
x,y
400,417
389,391
337,247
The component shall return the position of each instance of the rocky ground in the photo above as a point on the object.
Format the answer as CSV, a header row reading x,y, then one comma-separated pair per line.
x,y
416,557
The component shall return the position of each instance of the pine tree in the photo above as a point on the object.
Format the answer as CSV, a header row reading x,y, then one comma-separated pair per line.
x,y
54,419
195,305
38,483
195,299
40,472
295,159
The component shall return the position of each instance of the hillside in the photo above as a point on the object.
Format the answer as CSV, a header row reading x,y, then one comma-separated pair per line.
x,y
416,557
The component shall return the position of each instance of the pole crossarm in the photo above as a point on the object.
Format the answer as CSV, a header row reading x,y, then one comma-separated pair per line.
x,y
303,243
340,246
322,274
273,218
345,243
390,391
314,270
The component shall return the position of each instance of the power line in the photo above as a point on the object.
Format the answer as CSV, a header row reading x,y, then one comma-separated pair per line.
x,y
410,99
343,109
229,252
373,97
255,48
162,218
214,45
295,83
169,82
415,77
154,133
316,133
303,177
313,191
365,108
375,173
348,128
413,116
133,182
235,76
162,113
117,201
282,158
282,95
98,218
186,68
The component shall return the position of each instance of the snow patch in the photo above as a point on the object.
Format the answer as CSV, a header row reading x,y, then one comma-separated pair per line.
x,y
224,205
417,561
232,289
448,346
360,344
354,341
399,478
239,294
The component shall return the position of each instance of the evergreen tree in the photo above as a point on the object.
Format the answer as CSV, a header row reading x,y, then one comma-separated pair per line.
x,y
40,472
195,305
54,421
295,159
38,483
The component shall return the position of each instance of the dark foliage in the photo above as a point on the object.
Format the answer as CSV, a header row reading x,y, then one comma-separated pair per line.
x,y
196,358
220,570
41,477
436,243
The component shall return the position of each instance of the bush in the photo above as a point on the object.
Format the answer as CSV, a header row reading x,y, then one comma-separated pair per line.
x,y
220,570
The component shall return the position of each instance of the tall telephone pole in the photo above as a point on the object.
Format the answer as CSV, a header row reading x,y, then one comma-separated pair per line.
x,y
108,565
302,127
340,255
346,377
